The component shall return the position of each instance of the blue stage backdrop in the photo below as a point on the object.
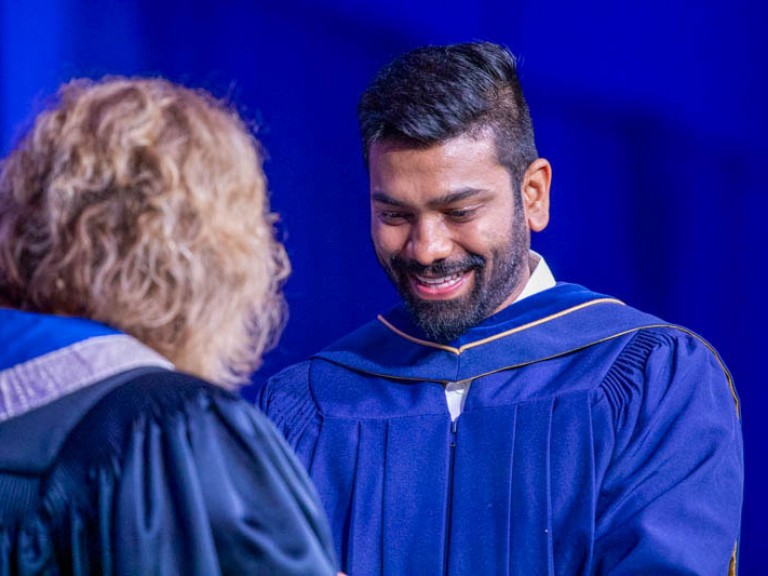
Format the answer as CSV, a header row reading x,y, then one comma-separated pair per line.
x,y
653,115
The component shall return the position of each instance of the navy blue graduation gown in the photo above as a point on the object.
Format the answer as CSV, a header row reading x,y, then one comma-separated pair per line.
x,y
145,471
595,439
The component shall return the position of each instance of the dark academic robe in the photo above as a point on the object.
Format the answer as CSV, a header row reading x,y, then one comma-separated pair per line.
x,y
113,463
595,439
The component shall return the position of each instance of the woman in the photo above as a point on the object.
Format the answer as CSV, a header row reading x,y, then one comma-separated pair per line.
x,y
138,265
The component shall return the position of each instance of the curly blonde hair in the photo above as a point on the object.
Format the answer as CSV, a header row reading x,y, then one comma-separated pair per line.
x,y
142,204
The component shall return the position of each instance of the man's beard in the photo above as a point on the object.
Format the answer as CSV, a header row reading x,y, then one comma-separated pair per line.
x,y
445,320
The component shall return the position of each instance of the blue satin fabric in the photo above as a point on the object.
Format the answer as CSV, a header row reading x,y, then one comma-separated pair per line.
x,y
616,451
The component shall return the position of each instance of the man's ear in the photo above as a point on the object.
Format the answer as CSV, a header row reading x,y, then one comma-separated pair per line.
x,y
535,190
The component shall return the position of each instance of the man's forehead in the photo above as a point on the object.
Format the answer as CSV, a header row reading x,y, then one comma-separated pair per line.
x,y
394,144
458,158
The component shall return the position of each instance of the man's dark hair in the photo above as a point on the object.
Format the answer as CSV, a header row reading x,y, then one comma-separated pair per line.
x,y
436,93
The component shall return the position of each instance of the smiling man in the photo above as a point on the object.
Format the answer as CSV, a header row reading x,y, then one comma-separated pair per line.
x,y
499,422
450,230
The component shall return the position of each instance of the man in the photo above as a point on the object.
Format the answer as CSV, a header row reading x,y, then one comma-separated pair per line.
x,y
499,422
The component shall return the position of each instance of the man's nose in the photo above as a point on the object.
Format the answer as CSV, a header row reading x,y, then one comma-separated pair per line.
x,y
429,241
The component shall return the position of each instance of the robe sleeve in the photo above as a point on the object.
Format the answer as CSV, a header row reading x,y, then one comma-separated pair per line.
x,y
288,402
670,501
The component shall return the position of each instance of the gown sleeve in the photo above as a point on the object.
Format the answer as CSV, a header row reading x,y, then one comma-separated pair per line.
x,y
287,401
204,485
671,497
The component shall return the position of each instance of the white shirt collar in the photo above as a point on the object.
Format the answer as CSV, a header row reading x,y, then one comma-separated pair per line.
x,y
541,276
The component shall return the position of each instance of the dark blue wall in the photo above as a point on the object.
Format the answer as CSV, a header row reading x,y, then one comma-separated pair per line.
x,y
653,115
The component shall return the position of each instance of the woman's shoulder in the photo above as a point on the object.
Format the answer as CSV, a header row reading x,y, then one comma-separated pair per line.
x,y
178,472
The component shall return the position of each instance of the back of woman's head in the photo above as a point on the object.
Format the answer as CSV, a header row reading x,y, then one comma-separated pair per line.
x,y
142,204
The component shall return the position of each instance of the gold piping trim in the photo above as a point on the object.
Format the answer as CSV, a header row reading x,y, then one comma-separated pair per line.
x,y
457,351
417,340
476,343
733,565
519,364
728,377
541,321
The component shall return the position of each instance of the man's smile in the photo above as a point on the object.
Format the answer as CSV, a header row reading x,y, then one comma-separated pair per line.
x,y
440,287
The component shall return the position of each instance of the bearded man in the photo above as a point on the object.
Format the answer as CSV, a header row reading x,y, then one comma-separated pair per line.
x,y
499,422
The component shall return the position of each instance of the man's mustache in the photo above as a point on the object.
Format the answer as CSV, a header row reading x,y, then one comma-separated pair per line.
x,y
440,268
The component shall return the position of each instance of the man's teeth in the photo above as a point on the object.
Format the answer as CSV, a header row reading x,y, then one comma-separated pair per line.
x,y
440,281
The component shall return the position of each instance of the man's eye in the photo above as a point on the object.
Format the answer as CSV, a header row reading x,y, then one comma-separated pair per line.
x,y
393,217
461,213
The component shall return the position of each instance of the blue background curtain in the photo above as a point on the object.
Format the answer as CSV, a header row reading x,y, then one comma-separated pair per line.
x,y
653,115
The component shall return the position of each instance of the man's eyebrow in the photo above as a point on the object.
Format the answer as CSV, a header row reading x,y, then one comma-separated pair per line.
x,y
384,198
456,196
445,199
